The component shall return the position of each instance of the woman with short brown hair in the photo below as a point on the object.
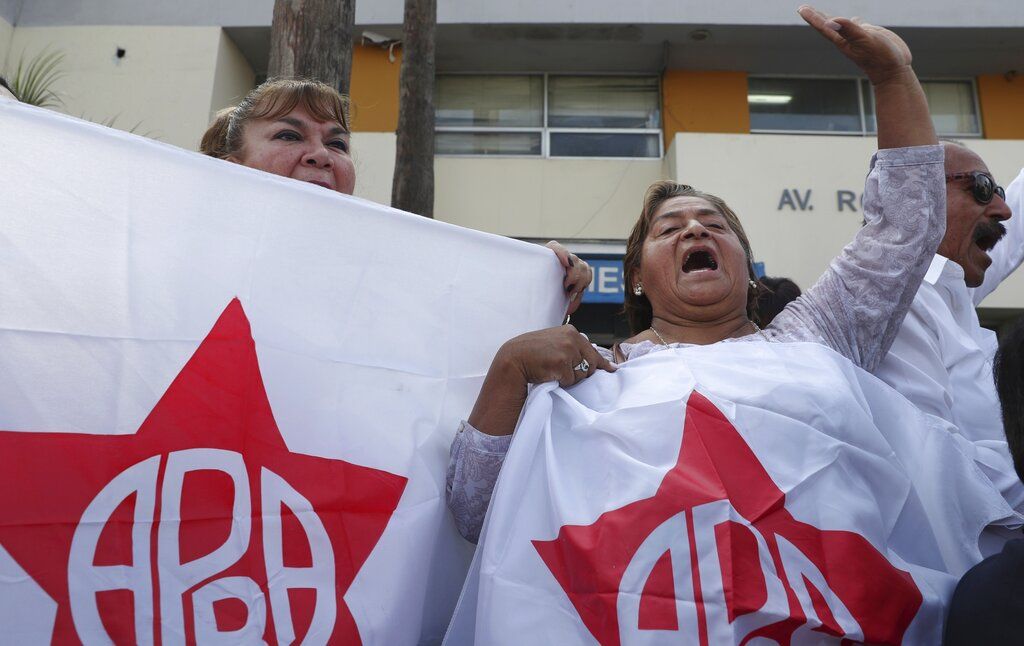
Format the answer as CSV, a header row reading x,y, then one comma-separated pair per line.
x,y
690,280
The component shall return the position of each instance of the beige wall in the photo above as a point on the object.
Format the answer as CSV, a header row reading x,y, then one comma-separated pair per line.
x,y
6,35
543,198
529,198
162,87
233,78
751,172
373,154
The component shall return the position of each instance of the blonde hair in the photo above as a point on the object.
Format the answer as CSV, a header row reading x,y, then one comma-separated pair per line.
x,y
637,308
272,99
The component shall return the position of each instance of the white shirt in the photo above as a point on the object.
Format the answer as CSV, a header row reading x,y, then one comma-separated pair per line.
x,y
942,358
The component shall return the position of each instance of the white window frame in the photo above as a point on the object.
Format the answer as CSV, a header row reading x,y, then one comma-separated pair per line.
x,y
545,131
864,132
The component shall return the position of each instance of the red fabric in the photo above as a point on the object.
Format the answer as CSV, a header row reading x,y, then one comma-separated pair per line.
x,y
217,401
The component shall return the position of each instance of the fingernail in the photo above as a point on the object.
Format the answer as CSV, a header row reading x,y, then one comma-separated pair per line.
x,y
833,25
573,296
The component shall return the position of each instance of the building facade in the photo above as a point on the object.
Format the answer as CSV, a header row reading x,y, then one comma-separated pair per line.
x,y
553,116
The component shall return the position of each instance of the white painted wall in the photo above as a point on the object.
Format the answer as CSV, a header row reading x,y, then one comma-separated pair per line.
x,y
543,198
233,77
751,172
163,85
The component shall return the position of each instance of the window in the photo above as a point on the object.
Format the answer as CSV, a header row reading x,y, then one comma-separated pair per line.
x,y
846,106
489,115
816,105
548,115
954,110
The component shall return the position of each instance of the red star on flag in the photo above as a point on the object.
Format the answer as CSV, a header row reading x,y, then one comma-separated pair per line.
x,y
773,574
200,525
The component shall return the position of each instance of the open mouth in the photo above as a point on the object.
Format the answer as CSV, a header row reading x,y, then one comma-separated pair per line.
x,y
987,234
699,260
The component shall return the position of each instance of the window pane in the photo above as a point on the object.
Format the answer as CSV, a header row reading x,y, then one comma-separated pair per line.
x,y
603,102
951,104
489,101
869,106
593,144
487,143
825,105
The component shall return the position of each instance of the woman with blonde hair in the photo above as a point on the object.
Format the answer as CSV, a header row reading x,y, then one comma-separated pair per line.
x,y
299,128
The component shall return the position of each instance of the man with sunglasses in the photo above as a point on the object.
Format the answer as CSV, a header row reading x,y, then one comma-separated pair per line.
x,y
942,357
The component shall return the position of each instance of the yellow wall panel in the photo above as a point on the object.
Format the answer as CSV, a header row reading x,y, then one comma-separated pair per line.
x,y
1002,106
374,89
705,102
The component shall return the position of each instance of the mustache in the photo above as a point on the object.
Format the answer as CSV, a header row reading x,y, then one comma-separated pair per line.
x,y
989,232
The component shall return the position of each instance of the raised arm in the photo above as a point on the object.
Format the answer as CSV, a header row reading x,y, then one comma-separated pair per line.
x,y
900,105
859,303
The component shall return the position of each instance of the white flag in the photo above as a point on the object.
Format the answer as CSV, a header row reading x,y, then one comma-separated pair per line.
x,y
226,398
721,494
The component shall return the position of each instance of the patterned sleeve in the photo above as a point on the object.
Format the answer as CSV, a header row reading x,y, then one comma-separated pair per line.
x,y
473,468
858,304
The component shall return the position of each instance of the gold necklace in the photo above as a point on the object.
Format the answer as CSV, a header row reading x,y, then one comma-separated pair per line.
x,y
660,338
756,327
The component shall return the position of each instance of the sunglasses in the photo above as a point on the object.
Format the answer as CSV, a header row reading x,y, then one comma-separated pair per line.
x,y
983,185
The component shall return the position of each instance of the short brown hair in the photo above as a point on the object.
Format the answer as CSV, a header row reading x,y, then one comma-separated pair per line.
x,y
638,308
273,99
214,140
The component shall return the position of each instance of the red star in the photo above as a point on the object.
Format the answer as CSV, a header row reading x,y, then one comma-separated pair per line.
x,y
218,401
716,464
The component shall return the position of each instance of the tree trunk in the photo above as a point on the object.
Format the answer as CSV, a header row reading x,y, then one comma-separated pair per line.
x,y
413,186
313,39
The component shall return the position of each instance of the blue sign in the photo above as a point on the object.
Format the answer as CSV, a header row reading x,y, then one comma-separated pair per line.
x,y
609,281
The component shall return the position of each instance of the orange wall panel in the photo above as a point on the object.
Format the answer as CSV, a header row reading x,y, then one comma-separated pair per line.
x,y
704,102
374,89
1002,106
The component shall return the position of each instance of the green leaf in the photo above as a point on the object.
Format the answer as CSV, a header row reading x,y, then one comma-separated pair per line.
x,y
34,80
